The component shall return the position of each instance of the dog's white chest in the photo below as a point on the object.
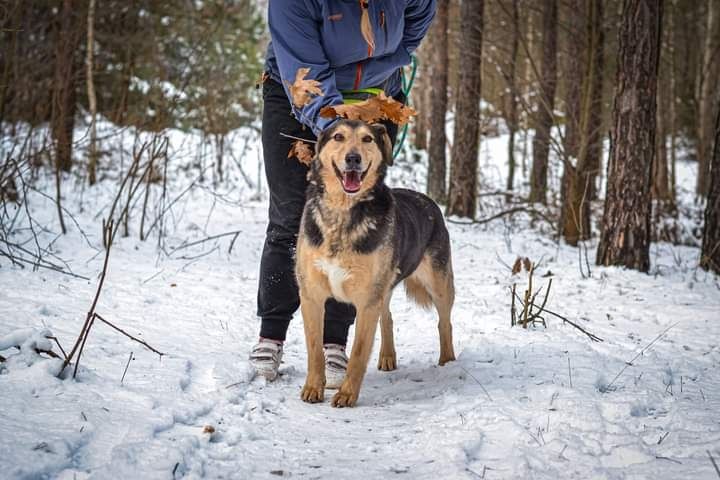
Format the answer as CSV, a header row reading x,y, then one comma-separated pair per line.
x,y
336,276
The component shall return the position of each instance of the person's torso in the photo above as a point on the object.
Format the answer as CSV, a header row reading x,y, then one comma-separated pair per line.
x,y
345,47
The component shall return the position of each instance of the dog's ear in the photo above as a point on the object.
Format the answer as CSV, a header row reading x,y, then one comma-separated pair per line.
x,y
383,140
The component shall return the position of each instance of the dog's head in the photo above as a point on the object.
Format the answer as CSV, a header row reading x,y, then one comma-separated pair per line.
x,y
352,157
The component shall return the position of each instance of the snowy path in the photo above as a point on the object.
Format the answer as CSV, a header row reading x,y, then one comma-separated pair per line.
x,y
505,409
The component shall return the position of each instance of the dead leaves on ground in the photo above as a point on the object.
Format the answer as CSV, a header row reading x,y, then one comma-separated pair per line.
x,y
302,151
374,109
303,90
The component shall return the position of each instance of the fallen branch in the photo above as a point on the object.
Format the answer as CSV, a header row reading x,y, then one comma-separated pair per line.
x,y
234,233
627,364
141,342
511,211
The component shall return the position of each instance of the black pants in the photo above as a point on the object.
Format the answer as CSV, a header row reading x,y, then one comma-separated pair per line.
x,y
278,297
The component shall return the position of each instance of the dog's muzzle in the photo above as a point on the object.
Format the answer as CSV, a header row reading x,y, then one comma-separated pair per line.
x,y
352,175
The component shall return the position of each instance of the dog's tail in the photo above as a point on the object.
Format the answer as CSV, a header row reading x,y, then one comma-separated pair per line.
x,y
418,292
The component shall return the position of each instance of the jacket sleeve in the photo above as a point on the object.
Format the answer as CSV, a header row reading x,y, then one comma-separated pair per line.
x,y
295,31
418,17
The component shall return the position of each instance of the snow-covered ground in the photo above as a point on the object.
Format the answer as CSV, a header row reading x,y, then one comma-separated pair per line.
x,y
535,403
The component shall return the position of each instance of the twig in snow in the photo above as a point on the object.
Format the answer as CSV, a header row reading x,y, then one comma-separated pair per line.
x,y
234,233
660,457
57,342
141,342
627,364
663,437
477,381
569,371
717,469
108,235
127,365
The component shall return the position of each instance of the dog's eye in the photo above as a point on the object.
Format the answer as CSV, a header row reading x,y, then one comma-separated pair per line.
x,y
367,139
338,137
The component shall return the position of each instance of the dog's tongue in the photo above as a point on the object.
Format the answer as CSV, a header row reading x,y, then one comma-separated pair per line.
x,y
351,181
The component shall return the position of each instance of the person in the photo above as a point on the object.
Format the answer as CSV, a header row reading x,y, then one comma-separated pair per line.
x,y
354,49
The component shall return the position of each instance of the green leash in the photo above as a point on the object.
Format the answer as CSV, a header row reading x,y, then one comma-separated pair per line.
x,y
407,84
406,87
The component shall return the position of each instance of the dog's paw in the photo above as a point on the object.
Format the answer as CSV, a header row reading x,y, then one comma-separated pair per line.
x,y
387,363
312,393
344,398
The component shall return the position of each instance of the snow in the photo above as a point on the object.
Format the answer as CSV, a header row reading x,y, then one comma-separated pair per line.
x,y
517,403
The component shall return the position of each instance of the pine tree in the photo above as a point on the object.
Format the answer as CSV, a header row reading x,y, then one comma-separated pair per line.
x,y
546,107
625,237
438,139
462,196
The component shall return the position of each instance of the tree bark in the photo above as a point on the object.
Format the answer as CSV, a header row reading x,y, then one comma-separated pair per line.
x,y
462,196
436,155
420,98
63,105
92,99
512,113
578,48
710,257
625,237
708,93
660,190
574,76
544,122
593,124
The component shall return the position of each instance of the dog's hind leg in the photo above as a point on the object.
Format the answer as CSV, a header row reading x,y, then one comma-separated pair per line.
x,y
433,284
313,313
388,359
443,296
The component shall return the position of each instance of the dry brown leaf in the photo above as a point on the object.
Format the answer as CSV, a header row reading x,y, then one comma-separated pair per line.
x,y
517,266
374,109
208,429
303,90
527,264
301,151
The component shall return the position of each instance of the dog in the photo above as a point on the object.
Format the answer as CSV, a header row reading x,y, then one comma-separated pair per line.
x,y
359,239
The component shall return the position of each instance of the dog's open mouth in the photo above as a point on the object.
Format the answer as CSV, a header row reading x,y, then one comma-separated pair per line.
x,y
351,180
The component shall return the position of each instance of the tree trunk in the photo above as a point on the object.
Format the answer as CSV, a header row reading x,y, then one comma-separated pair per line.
x,y
92,99
660,190
576,84
708,92
625,237
593,124
63,105
544,123
420,98
512,113
710,258
574,76
673,97
462,197
438,139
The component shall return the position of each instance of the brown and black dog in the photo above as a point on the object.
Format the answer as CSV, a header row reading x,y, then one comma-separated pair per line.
x,y
358,240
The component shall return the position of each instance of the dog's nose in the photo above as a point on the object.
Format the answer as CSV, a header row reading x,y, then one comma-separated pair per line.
x,y
353,160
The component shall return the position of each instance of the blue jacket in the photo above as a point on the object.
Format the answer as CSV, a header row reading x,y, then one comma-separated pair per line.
x,y
325,36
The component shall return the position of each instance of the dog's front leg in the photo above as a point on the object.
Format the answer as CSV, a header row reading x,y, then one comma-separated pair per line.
x,y
313,313
365,327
